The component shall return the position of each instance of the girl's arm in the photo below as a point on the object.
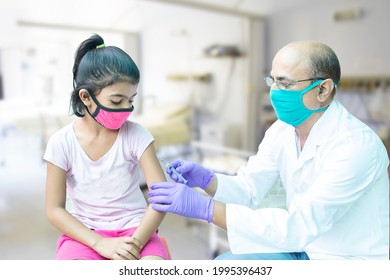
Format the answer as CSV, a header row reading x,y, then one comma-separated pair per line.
x,y
153,173
118,248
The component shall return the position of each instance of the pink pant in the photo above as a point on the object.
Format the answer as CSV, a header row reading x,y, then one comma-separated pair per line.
x,y
70,249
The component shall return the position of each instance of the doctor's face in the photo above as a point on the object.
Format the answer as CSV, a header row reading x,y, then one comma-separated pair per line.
x,y
290,71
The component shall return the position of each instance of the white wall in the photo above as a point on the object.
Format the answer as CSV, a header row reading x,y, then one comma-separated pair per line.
x,y
174,44
37,62
362,45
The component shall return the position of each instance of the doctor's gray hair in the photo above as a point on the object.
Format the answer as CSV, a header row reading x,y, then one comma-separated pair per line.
x,y
324,62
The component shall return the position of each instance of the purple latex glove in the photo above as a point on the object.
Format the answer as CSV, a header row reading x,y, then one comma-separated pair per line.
x,y
197,175
181,200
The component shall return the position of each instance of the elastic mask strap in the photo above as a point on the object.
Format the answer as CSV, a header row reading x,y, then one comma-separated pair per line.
x,y
94,114
309,88
131,109
313,85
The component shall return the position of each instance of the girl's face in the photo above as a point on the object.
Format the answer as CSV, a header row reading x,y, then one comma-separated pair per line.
x,y
117,96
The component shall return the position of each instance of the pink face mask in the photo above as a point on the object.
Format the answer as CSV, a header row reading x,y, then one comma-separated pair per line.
x,y
110,118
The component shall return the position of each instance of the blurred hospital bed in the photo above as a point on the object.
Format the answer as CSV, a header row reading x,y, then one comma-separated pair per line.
x,y
170,124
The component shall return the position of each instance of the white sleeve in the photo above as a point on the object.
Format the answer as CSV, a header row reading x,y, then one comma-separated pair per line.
x,y
56,151
138,138
253,180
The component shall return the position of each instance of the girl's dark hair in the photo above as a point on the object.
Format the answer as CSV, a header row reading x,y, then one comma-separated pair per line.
x,y
96,67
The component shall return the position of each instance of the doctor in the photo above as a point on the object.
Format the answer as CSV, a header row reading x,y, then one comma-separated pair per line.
x,y
332,166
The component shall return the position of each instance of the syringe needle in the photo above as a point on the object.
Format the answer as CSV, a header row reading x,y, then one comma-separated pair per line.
x,y
174,171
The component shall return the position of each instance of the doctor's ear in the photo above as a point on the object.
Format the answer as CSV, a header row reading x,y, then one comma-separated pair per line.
x,y
324,90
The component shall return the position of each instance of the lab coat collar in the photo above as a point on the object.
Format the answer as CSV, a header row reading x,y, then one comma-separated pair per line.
x,y
320,132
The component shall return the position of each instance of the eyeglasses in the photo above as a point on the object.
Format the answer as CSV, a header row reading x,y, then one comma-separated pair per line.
x,y
285,83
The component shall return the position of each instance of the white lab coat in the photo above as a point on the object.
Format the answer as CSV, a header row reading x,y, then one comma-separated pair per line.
x,y
337,192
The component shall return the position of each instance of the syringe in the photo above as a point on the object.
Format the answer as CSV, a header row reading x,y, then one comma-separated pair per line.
x,y
174,171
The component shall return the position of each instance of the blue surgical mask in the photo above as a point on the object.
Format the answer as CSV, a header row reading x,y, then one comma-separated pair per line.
x,y
289,107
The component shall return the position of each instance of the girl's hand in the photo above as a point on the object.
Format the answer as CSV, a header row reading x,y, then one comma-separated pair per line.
x,y
120,248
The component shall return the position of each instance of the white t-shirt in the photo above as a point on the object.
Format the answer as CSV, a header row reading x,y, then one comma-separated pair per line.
x,y
105,194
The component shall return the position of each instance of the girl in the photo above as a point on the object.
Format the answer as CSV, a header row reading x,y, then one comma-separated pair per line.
x,y
95,161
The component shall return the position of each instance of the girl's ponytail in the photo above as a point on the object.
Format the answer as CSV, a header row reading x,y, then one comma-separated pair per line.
x,y
91,43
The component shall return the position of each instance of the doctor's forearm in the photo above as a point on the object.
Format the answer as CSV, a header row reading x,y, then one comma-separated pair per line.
x,y
219,216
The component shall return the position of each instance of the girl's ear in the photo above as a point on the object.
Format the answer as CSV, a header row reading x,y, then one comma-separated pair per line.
x,y
84,97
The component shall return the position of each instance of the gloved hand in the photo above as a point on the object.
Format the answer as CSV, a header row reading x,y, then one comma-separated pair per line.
x,y
197,175
179,199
